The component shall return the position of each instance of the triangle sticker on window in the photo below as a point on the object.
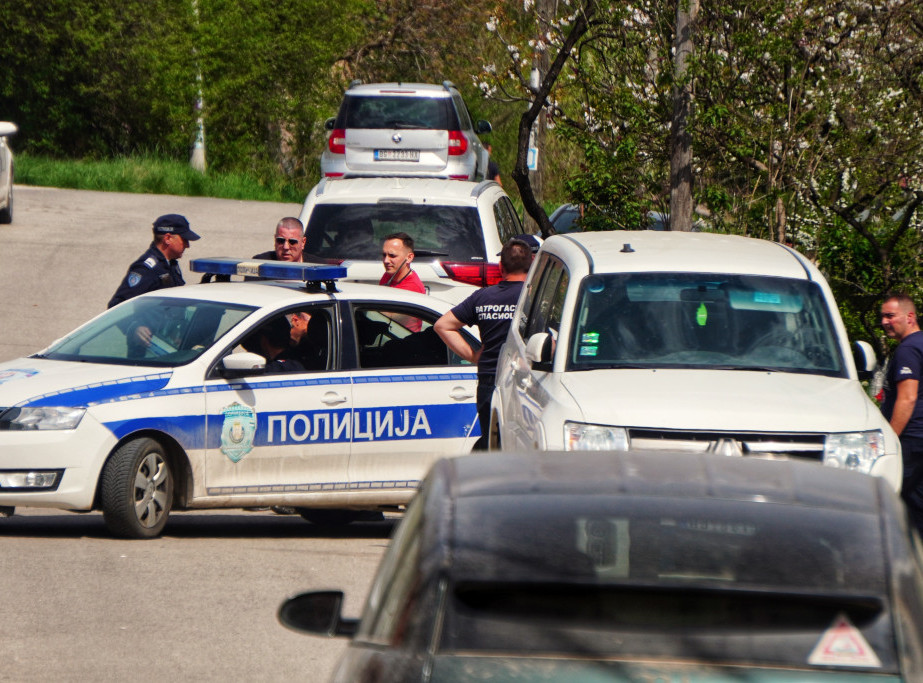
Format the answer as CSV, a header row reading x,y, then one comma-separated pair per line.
x,y
843,645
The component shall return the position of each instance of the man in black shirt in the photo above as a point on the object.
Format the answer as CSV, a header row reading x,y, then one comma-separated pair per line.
x,y
491,309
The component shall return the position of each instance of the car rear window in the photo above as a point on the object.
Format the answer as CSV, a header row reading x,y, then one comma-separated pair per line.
x,y
397,111
356,231
713,580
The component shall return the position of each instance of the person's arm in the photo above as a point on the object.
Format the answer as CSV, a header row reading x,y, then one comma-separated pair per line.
x,y
448,327
904,404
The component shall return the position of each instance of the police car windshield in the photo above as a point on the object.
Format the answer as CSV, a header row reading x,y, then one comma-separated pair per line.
x,y
704,321
153,331
356,231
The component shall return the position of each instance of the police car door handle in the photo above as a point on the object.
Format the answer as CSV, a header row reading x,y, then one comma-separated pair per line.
x,y
461,394
331,398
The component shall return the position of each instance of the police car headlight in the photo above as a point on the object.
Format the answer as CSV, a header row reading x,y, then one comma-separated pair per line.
x,y
856,451
587,437
41,417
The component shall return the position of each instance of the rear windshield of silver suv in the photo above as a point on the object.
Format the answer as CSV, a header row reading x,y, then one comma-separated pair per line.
x,y
397,111
356,231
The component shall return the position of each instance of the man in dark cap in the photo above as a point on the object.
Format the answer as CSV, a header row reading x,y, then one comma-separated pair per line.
x,y
157,268
491,310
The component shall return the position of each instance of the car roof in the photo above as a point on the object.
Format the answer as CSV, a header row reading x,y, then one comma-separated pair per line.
x,y
614,251
282,293
415,190
396,88
664,474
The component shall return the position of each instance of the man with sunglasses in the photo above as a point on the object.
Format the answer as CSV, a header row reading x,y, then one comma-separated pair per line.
x,y
157,268
289,241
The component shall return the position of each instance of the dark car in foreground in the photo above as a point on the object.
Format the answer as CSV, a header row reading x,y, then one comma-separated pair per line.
x,y
637,567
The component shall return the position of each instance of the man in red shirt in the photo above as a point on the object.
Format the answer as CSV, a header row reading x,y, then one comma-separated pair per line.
x,y
397,255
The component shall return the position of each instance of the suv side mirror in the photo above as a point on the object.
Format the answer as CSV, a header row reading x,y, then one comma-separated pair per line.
x,y
482,127
330,123
539,349
864,357
317,613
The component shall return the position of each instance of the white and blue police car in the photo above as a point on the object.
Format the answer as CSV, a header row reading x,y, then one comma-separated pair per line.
x,y
296,390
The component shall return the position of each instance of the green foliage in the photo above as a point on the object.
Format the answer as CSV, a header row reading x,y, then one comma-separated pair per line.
x,y
150,175
84,78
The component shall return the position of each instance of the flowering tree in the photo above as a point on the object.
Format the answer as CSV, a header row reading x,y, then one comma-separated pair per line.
x,y
805,122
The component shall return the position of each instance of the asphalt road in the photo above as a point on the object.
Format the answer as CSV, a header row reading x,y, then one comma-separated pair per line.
x,y
199,603
67,250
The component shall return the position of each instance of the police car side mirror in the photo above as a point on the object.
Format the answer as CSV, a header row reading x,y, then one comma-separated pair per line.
x,y
538,349
317,613
241,364
329,123
864,357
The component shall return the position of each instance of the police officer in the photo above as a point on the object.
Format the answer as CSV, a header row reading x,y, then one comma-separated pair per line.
x,y
157,268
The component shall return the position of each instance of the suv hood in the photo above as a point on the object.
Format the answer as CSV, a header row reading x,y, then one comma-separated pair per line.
x,y
36,381
720,400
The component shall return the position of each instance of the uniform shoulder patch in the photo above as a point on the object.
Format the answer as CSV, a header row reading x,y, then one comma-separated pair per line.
x,y
150,262
134,279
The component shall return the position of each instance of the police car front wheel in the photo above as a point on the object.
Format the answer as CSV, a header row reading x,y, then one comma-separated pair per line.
x,y
137,489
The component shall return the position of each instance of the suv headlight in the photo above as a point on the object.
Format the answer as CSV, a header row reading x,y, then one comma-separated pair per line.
x,y
586,437
854,450
41,417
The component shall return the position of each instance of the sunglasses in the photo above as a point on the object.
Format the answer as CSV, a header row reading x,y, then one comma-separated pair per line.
x,y
292,241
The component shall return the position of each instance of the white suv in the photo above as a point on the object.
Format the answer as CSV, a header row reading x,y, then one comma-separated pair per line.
x,y
458,228
408,129
686,342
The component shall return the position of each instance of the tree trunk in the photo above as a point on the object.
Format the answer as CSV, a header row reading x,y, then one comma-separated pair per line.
x,y
680,139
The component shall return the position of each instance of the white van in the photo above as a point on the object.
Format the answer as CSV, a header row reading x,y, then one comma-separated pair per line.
x,y
686,342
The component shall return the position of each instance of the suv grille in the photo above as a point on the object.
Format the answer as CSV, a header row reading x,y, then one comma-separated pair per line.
x,y
766,445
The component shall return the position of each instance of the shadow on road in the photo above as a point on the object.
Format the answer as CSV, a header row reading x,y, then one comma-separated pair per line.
x,y
210,524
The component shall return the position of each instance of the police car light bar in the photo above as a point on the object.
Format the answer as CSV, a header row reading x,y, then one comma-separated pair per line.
x,y
269,270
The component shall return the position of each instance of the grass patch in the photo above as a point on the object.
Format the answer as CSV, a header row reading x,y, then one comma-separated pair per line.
x,y
149,175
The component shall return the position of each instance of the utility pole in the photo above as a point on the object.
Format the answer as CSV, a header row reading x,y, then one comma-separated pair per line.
x,y
197,158
681,208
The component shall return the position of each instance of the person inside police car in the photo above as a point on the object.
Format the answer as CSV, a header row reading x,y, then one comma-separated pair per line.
x,y
274,342
158,267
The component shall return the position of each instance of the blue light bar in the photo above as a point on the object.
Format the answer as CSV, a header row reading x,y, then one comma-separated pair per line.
x,y
270,270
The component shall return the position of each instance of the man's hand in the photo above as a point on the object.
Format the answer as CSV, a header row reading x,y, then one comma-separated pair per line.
x,y
448,328
143,334
904,404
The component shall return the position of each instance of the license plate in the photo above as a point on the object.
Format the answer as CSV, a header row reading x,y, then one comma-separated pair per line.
x,y
397,155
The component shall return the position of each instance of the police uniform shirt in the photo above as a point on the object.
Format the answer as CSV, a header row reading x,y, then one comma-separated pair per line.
x,y
491,309
906,363
152,271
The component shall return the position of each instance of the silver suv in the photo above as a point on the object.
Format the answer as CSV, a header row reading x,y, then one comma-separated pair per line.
x,y
404,129
458,228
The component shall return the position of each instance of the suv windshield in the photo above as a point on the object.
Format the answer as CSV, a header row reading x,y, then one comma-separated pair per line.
x,y
356,231
396,111
178,331
707,321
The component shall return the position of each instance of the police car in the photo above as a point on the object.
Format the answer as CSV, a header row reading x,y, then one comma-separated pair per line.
x,y
177,399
